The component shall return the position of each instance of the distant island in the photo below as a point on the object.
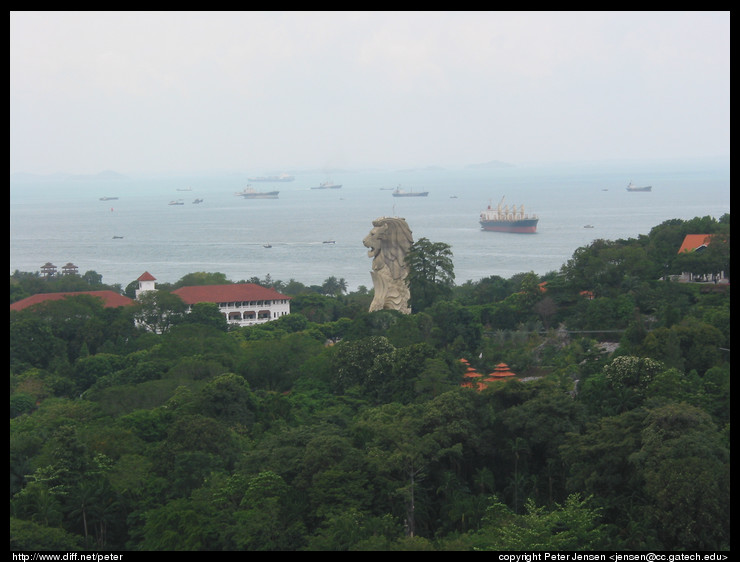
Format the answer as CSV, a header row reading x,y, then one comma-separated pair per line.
x,y
106,175
490,164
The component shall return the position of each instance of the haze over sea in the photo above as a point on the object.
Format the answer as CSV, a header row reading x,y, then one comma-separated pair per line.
x,y
62,219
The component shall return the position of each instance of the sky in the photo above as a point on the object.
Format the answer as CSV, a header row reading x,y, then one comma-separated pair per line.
x,y
261,92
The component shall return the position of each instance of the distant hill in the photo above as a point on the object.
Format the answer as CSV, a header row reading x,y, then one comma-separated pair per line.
x,y
106,175
490,164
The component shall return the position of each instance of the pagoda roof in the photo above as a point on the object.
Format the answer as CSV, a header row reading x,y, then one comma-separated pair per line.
x,y
501,370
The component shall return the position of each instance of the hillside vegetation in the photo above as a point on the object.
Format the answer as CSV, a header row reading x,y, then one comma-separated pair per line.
x,y
337,429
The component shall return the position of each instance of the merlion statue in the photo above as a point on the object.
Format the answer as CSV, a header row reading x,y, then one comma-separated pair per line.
x,y
389,242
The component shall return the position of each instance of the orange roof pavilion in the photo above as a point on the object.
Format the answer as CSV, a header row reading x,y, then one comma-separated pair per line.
x,y
500,372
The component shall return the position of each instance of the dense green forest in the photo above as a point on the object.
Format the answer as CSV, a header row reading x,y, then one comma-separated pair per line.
x,y
337,429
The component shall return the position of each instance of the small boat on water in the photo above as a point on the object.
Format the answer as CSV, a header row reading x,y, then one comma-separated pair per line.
x,y
503,219
633,187
329,242
118,238
250,193
588,226
176,202
196,201
398,192
267,245
108,198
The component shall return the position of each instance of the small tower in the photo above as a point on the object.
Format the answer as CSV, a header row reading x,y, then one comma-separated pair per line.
x,y
146,283
69,269
48,270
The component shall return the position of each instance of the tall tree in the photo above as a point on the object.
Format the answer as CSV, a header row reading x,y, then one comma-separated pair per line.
x,y
431,272
158,311
687,478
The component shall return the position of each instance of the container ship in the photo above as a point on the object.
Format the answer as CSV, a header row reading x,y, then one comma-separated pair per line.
x,y
503,219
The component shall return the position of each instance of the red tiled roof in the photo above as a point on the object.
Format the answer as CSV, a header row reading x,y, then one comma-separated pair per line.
x,y
111,299
227,293
146,276
694,241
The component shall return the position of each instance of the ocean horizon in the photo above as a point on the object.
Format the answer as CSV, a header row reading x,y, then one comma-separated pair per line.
x,y
121,225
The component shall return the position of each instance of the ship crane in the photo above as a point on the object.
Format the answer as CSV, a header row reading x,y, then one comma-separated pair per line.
x,y
504,219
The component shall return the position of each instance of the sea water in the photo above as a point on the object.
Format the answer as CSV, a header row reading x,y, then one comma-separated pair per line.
x,y
64,221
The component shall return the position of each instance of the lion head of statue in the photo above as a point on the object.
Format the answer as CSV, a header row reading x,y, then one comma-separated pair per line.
x,y
389,242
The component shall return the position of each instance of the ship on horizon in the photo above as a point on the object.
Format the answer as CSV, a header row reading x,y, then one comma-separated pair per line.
x,y
280,178
250,193
633,187
398,192
503,219
328,185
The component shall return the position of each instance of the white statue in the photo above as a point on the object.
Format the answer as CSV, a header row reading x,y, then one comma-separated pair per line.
x,y
389,242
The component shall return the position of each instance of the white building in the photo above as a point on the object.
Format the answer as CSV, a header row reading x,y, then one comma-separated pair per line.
x,y
243,304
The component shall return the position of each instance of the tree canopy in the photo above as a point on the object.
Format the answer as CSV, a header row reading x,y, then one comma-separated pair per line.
x,y
333,428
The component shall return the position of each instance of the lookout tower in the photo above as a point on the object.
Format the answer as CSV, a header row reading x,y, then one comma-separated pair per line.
x,y
69,269
48,270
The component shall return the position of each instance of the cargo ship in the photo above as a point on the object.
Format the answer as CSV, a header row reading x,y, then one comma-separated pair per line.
x,y
633,187
398,192
328,185
503,219
249,193
281,177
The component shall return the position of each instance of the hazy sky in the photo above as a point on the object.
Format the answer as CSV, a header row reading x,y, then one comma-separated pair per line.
x,y
266,91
